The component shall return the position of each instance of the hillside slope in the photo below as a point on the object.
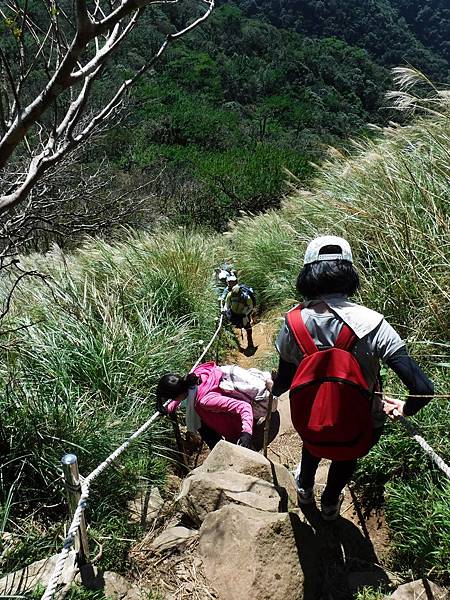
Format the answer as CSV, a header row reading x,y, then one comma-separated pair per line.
x,y
390,199
393,32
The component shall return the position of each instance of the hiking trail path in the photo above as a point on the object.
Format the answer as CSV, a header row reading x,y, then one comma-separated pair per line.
x,y
351,551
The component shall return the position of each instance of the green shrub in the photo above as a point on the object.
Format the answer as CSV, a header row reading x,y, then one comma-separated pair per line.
x,y
368,593
80,378
418,512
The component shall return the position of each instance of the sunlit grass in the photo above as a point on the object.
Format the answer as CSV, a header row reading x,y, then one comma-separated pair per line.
x,y
390,197
109,322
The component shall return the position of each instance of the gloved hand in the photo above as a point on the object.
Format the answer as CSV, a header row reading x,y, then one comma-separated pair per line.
x,y
245,441
160,406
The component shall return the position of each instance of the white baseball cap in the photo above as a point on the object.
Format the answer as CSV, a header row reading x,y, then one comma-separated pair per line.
x,y
231,278
312,253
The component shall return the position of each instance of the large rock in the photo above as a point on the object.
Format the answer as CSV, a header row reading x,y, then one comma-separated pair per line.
x,y
117,587
229,457
173,537
253,554
421,588
285,484
205,492
38,573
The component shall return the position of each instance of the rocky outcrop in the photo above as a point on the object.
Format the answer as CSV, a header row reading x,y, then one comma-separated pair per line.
x,y
173,537
248,542
232,474
251,554
229,457
117,587
203,493
39,573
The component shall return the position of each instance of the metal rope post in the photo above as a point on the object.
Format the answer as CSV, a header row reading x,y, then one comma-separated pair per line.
x,y
73,488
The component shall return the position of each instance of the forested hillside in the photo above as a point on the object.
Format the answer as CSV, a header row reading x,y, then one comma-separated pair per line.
x,y
261,88
392,31
234,106
243,104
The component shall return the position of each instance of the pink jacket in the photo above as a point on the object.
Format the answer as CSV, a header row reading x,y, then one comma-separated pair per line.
x,y
226,415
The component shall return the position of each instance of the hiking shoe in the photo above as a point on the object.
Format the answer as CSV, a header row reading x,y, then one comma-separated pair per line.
x,y
330,512
305,495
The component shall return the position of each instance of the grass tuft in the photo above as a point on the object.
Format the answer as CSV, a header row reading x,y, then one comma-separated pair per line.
x,y
111,320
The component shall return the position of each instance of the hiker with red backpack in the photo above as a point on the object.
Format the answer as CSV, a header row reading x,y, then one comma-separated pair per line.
x,y
330,350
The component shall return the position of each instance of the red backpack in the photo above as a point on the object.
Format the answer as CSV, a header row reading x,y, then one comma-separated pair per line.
x,y
330,399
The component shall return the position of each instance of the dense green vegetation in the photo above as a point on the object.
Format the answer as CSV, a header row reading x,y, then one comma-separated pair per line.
x,y
237,104
430,21
80,377
391,200
262,88
392,31
230,121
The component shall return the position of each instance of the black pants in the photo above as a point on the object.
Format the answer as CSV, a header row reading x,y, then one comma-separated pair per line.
x,y
211,437
339,473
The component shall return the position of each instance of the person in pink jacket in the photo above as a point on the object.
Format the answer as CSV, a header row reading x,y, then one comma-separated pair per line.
x,y
221,414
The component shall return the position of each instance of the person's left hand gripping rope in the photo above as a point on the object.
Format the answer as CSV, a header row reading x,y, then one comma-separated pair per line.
x,y
393,407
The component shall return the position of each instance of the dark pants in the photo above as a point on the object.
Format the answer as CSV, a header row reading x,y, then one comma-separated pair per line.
x,y
339,473
211,437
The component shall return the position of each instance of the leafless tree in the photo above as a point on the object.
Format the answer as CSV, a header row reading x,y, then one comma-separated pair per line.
x,y
41,124
53,53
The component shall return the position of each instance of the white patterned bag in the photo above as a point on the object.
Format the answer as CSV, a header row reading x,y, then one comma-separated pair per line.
x,y
250,385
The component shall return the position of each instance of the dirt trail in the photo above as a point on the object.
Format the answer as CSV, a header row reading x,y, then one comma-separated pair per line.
x,y
350,550
263,340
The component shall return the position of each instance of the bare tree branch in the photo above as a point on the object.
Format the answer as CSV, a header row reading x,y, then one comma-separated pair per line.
x,y
62,53
101,32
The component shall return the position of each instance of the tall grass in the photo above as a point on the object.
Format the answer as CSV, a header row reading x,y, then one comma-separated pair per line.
x,y
391,200
390,197
81,377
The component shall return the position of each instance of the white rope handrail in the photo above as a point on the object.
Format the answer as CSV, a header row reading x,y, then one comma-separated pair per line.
x,y
86,482
438,460
216,333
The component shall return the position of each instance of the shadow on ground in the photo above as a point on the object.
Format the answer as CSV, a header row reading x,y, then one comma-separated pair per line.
x,y
336,558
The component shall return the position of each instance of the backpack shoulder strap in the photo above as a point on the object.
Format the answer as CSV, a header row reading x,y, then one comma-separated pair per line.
x,y
346,338
298,328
